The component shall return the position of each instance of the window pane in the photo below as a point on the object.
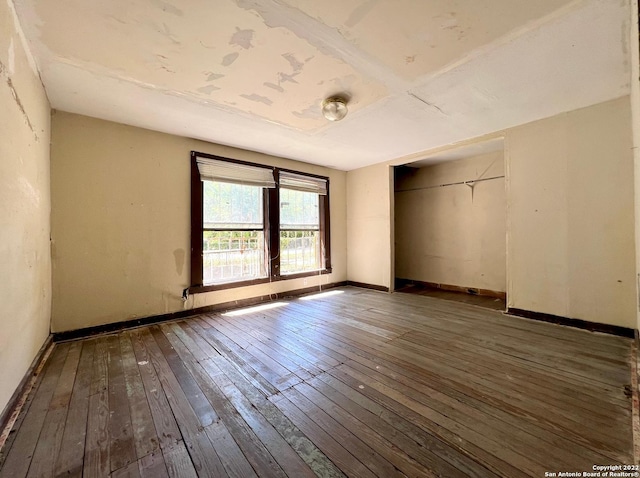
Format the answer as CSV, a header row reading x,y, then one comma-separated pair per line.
x,y
299,210
299,251
232,206
232,256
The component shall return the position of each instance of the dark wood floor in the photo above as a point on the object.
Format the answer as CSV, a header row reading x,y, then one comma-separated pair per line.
x,y
359,383
480,300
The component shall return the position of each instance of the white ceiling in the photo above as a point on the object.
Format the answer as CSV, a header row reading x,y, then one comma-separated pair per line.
x,y
419,74
476,148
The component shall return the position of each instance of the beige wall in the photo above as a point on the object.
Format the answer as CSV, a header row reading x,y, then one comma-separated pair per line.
x,y
453,234
25,282
121,223
634,50
571,215
369,225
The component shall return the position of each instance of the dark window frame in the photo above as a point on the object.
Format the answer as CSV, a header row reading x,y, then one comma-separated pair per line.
x,y
271,205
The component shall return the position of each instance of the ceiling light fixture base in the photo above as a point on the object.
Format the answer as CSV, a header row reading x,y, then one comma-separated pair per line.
x,y
334,108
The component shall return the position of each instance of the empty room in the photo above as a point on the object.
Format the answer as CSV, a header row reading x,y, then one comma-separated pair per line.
x,y
276,238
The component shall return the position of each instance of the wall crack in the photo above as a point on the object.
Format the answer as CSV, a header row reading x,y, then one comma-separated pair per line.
x,y
5,74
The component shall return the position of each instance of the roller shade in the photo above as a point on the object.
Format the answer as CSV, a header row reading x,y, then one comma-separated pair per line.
x,y
228,172
300,182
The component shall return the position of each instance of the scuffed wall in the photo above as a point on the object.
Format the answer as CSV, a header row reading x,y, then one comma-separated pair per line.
x,y
448,232
570,223
25,281
121,223
370,225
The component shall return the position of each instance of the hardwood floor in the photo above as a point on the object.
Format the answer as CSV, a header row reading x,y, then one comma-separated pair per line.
x,y
480,300
356,383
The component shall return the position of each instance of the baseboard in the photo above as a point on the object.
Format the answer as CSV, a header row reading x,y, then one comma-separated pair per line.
x,y
156,319
577,323
451,288
13,407
364,285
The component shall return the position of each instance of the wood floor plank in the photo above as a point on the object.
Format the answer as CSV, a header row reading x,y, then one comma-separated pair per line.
x,y
293,359
234,461
129,471
96,455
364,443
251,365
231,456
252,448
200,405
278,374
50,438
489,454
471,418
427,449
571,427
144,431
335,450
362,346
163,418
562,439
292,461
178,461
358,383
204,457
153,465
265,327
70,459
121,443
20,455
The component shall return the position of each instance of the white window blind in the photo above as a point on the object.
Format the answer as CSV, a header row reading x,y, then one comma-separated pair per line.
x,y
299,182
228,172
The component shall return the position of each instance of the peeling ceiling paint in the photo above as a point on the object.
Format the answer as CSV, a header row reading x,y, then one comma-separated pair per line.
x,y
253,73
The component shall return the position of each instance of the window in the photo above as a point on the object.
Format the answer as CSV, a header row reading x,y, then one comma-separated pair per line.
x,y
232,233
253,223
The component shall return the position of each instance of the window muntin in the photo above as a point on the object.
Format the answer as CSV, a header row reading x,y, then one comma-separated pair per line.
x,y
237,241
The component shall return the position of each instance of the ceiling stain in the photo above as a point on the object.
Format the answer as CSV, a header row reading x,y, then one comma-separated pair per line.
x,y
207,46
167,33
286,78
242,38
168,8
410,59
311,112
207,90
230,58
274,86
114,18
163,63
296,64
258,99
449,21
358,14
213,76
345,82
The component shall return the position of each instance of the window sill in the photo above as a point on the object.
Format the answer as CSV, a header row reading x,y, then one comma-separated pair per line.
x,y
198,289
